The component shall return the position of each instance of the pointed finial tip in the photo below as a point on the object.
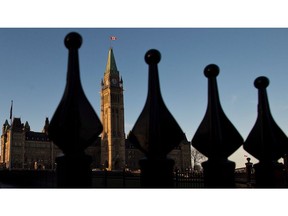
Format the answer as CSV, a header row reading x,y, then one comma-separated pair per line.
x,y
73,40
261,82
211,70
152,56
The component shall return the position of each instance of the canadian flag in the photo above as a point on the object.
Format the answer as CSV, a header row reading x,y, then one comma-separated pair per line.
x,y
113,38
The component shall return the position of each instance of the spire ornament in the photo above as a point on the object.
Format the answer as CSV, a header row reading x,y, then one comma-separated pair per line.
x,y
74,125
155,132
266,141
216,137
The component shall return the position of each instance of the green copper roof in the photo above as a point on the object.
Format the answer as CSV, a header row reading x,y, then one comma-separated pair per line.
x,y
111,63
6,122
27,125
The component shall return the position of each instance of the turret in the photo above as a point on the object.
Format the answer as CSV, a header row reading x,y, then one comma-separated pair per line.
x,y
17,126
5,127
46,125
26,126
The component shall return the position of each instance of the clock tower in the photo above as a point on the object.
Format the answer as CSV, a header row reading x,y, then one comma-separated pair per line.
x,y
112,117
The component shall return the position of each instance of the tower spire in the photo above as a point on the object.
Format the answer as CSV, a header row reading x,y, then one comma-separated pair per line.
x,y
46,126
112,116
111,67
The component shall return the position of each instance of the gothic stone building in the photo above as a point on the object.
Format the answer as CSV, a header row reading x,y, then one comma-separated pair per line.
x,y
22,148
116,152
181,155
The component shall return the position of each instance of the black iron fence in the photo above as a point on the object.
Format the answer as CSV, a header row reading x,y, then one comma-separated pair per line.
x,y
188,180
115,179
100,179
75,126
27,179
156,133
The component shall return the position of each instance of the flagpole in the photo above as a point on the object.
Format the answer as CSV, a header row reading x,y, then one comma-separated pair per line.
x,y
11,134
112,38
11,111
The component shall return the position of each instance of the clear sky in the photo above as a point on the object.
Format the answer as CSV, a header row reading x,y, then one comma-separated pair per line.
x,y
33,65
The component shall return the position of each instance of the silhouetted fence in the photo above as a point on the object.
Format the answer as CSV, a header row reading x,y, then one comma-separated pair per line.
x,y
115,179
75,126
100,179
242,181
27,179
189,180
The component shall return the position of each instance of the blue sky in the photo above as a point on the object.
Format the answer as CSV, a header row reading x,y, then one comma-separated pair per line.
x,y
33,65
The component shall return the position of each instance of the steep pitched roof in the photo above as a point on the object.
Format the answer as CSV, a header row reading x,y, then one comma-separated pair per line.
x,y
17,124
6,123
111,63
27,126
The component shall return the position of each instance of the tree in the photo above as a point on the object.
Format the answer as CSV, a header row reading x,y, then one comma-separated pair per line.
x,y
197,158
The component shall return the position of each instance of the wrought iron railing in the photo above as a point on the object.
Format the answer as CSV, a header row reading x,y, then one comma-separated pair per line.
x,y
75,126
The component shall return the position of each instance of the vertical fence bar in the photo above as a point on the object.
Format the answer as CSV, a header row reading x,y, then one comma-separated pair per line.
x,y
216,138
267,143
74,125
249,167
105,179
177,177
124,178
155,132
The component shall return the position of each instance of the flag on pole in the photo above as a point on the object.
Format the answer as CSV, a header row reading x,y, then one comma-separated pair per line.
x,y
11,108
113,38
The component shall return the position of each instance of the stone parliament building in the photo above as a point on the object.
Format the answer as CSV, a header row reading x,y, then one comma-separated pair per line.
x,y
22,148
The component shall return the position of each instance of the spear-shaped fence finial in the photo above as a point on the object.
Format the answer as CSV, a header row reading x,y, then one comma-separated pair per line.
x,y
216,138
74,125
156,132
267,142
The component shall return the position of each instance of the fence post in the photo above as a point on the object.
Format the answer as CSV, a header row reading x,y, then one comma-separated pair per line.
x,y
105,178
267,142
177,177
249,167
155,132
74,125
216,138
124,177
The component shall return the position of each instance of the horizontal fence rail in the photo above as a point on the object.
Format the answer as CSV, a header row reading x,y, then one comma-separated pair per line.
x,y
100,179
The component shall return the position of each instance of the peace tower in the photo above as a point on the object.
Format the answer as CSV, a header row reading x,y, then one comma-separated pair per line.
x,y
112,117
